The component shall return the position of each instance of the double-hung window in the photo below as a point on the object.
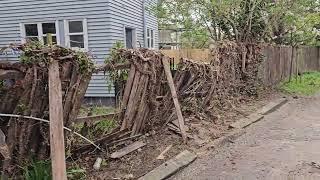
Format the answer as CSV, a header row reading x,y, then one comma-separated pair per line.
x,y
39,31
76,34
150,38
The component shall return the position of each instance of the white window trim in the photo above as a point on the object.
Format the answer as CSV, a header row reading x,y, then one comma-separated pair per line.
x,y
134,36
40,32
84,33
148,39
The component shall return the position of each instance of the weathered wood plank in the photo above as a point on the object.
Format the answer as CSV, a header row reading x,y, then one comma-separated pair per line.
x,y
167,70
170,167
56,124
4,149
127,150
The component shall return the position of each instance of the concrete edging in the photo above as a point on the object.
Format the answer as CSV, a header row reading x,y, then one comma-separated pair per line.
x,y
259,115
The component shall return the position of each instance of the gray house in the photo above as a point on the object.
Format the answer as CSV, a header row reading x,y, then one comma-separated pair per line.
x,y
90,25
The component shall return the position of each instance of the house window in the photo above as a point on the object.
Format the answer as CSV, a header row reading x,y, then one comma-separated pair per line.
x,y
150,38
76,34
130,38
39,31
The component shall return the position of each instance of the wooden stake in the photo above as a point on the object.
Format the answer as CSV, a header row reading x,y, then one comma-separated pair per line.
x,y
166,66
56,122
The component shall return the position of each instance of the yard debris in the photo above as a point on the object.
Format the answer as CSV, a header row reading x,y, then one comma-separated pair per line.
x,y
161,156
128,149
29,97
152,98
207,90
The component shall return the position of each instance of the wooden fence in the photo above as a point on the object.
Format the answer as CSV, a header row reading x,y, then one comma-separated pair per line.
x,y
279,61
195,54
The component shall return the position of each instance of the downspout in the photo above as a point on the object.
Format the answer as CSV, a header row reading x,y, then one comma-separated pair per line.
x,y
144,23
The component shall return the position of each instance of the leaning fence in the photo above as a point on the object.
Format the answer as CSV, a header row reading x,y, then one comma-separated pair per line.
x,y
279,61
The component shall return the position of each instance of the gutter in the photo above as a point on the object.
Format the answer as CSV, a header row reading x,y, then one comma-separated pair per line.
x,y
144,23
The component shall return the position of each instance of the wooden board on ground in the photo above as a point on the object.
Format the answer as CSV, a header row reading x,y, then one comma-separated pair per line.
x,y
273,106
245,122
127,149
170,167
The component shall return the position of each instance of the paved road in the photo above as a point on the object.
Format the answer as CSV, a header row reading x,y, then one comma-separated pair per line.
x,y
285,145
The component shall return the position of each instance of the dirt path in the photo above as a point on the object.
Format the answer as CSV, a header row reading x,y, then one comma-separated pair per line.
x,y
285,145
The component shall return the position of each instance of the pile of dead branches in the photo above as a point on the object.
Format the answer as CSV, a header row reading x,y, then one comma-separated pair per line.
x,y
25,92
207,90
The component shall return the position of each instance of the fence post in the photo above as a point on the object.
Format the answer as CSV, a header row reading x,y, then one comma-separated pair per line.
x,y
57,146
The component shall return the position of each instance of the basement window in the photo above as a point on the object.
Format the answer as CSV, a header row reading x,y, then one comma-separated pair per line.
x,y
150,38
39,31
76,34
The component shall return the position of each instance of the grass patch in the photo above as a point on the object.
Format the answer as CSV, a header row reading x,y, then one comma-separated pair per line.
x,y
308,84
96,129
41,170
96,110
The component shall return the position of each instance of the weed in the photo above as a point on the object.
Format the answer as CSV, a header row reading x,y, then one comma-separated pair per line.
x,y
104,126
308,84
38,170
41,170
96,110
76,173
99,128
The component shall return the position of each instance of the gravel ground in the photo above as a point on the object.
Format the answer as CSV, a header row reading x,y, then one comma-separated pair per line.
x,y
284,145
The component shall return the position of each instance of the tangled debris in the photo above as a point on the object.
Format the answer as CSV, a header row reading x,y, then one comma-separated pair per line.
x,y
207,90
28,96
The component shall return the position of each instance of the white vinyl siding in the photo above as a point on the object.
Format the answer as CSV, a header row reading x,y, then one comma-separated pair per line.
x,y
105,21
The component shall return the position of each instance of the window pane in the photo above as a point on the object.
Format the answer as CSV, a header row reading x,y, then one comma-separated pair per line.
x,y
77,41
149,43
54,40
148,32
32,39
49,28
151,34
152,43
75,27
31,29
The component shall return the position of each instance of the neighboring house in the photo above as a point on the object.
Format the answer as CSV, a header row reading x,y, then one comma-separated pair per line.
x,y
170,38
90,25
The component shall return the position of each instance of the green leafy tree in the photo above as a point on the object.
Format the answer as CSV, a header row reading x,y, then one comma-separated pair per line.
x,y
275,21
